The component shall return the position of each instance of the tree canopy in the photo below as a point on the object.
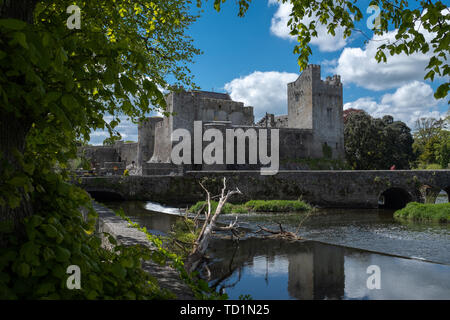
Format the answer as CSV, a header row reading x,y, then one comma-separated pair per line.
x,y
56,84
432,141
377,144
420,26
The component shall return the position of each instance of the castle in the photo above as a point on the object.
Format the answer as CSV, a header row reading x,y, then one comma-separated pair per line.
x,y
312,128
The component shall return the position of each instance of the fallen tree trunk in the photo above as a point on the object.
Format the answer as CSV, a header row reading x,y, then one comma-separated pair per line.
x,y
197,254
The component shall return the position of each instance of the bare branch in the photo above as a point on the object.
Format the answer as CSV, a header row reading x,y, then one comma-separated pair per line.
x,y
196,256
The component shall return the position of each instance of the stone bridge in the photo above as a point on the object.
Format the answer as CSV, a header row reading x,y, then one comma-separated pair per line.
x,y
350,189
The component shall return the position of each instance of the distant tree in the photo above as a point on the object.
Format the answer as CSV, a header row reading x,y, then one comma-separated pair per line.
x,y
432,141
347,112
426,128
377,144
443,155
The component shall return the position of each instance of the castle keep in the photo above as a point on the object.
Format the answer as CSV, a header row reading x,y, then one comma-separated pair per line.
x,y
312,128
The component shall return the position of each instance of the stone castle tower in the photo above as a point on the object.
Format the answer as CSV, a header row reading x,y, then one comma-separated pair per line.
x,y
318,105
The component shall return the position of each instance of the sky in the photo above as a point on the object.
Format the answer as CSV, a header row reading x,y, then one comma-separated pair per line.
x,y
252,59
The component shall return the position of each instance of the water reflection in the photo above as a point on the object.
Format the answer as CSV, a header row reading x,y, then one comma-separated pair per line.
x,y
274,269
374,230
147,214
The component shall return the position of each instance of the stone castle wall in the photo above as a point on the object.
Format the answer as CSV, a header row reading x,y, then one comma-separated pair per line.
x,y
314,123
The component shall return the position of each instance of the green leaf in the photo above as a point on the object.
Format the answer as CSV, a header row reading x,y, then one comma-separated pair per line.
x,y
48,254
23,270
119,271
39,271
30,252
13,24
29,168
50,230
442,91
35,221
127,84
112,240
18,181
51,96
127,262
21,39
92,295
69,101
61,254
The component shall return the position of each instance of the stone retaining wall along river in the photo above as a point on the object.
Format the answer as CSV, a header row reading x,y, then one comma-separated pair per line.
x,y
167,277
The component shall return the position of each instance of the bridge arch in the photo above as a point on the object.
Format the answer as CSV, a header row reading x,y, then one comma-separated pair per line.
x,y
444,195
394,198
105,195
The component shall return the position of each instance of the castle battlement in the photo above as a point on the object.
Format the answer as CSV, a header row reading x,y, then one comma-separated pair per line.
x,y
334,80
313,66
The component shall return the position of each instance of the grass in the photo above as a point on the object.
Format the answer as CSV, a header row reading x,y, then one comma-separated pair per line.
x,y
439,212
256,206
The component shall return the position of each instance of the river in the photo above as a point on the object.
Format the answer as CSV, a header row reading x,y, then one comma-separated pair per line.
x,y
413,259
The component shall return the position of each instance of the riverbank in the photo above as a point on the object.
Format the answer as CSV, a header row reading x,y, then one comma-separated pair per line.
x,y
167,277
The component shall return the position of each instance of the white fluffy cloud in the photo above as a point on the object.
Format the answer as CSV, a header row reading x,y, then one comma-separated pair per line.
x,y
265,91
408,103
358,66
325,41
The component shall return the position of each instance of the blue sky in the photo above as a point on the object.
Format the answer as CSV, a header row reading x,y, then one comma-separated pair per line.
x,y
252,59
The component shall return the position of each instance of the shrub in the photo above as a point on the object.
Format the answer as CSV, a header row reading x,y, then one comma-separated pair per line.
x,y
425,211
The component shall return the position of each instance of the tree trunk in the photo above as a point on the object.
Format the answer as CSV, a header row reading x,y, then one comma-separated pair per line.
x,y
13,129
198,252
18,9
13,133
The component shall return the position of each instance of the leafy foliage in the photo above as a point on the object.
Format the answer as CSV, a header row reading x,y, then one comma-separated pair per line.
x,y
414,22
432,142
56,85
377,144
199,287
33,265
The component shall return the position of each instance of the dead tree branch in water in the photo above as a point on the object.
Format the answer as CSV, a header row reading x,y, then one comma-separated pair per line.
x,y
209,225
282,234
